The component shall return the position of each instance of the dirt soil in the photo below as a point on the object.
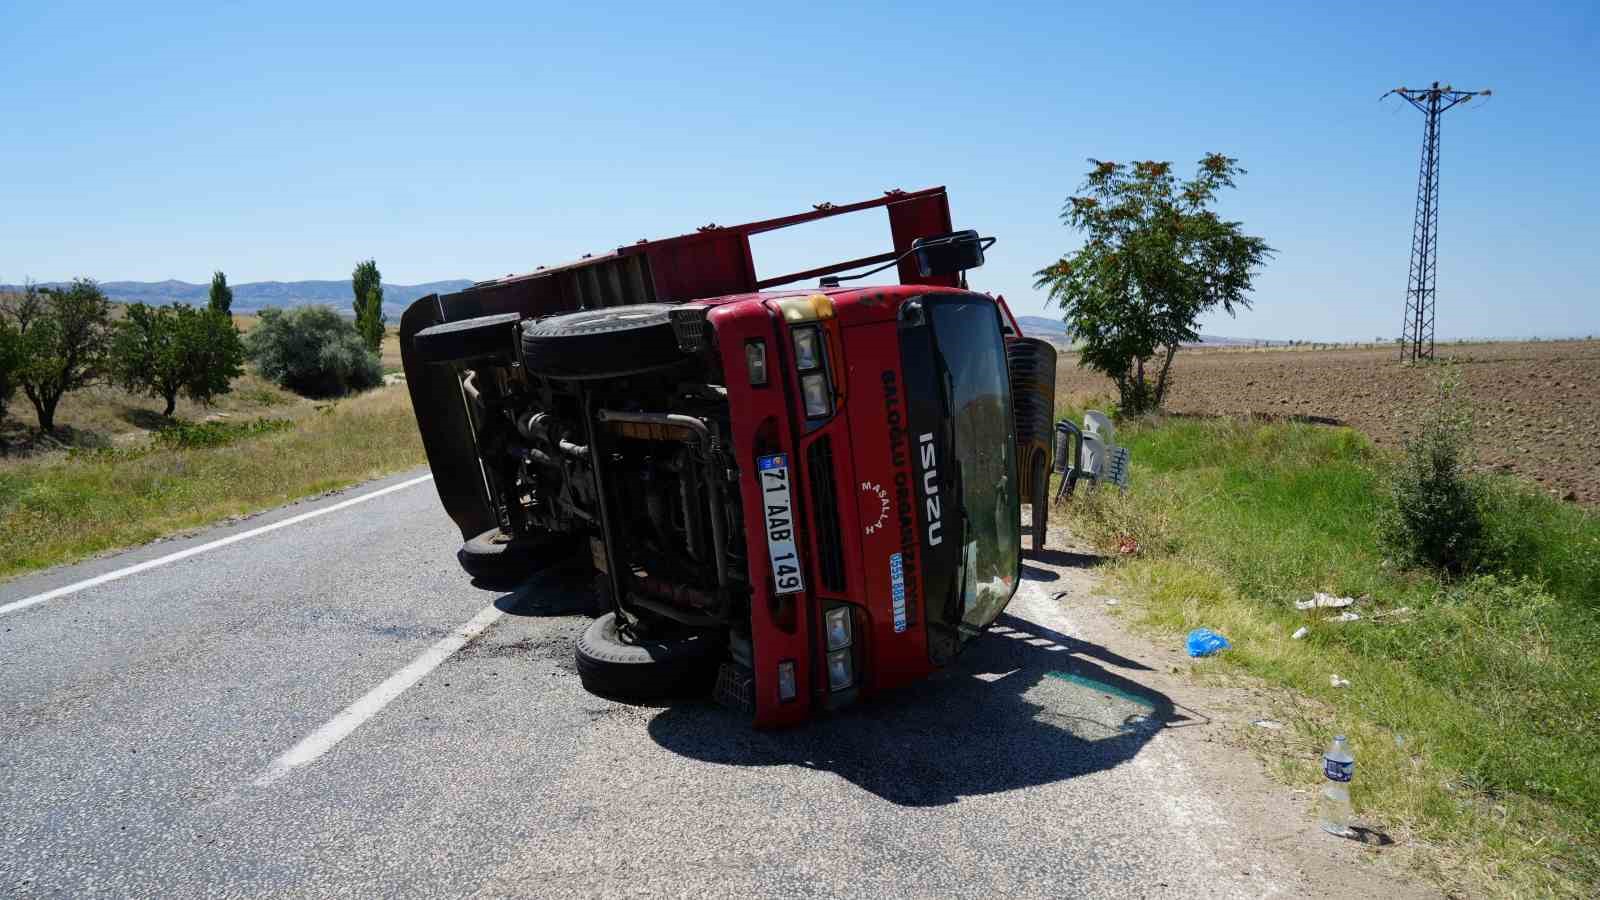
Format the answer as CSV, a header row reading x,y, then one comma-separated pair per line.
x,y
1536,405
1215,732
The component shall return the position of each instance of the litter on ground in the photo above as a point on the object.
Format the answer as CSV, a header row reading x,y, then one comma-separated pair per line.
x,y
1336,681
1319,600
1205,642
1299,633
1267,723
1346,616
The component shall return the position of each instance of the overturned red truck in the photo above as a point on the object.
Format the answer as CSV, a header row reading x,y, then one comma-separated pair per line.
x,y
808,495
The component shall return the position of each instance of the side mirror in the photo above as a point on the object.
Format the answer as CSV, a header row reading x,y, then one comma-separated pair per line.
x,y
949,254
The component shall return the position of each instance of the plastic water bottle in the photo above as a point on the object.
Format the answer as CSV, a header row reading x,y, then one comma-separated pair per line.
x,y
1338,766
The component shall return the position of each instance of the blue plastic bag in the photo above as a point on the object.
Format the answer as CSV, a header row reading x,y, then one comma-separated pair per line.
x,y
1205,642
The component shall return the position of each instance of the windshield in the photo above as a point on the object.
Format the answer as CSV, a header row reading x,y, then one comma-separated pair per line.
x,y
978,394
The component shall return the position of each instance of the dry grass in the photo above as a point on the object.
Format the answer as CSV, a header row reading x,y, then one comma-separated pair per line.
x,y
65,506
104,482
389,352
106,416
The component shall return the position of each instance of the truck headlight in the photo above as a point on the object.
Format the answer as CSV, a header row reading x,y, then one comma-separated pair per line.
x,y
838,622
840,672
786,684
755,360
807,349
814,389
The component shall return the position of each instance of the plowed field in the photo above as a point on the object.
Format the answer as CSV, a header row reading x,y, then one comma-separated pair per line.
x,y
1536,405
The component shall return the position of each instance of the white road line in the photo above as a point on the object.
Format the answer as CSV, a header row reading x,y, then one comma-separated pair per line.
x,y
17,605
350,718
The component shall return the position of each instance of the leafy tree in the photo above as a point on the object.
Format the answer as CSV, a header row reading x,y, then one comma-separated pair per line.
x,y
62,334
161,351
221,295
1155,258
312,350
215,352
368,287
10,362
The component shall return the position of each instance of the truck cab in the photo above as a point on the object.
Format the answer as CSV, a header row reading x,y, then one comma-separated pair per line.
x,y
802,496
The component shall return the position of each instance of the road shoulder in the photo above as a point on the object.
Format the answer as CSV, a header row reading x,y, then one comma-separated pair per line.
x,y
1216,738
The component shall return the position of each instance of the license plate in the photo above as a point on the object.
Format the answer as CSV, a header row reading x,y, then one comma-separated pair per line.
x,y
774,474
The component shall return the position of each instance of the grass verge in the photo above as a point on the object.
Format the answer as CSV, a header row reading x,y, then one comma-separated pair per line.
x,y
69,506
1473,705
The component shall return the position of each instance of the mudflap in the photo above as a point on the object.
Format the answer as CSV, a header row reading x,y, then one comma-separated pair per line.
x,y
446,427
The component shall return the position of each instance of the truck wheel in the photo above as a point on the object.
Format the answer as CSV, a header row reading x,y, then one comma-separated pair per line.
x,y
468,339
498,561
645,669
616,340
1040,482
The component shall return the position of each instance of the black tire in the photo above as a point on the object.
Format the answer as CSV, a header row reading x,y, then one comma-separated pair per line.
x,y
594,343
468,339
499,562
1040,501
648,669
1032,367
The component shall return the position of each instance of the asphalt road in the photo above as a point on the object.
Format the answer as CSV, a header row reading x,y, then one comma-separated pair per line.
x,y
145,722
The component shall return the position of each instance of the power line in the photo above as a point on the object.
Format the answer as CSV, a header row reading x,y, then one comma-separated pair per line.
x,y
1416,333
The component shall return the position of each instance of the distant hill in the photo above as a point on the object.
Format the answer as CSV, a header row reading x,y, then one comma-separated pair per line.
x,y
252,296
1039,326
1055,331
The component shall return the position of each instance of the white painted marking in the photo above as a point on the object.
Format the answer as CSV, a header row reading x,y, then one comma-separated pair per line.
x,y
351,717
17,605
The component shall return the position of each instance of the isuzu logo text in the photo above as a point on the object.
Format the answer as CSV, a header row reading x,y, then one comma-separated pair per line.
x,y
930,488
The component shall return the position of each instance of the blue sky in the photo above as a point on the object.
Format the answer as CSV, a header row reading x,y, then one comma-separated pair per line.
x,y
285,141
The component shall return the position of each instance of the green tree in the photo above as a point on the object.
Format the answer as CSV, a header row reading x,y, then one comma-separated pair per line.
x,y
221,299
10,362
311,350
368,287
1155,258
63,335
162,351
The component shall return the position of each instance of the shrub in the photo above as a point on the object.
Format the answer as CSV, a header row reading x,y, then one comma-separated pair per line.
x,y
181,434
1431,516
312,351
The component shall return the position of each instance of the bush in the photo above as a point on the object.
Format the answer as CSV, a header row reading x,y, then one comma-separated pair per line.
x,y
181,434
311,350
1431,512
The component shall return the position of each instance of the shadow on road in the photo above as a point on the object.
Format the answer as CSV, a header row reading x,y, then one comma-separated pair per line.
x,y
1024,706
1034,573
560,591
1063,558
